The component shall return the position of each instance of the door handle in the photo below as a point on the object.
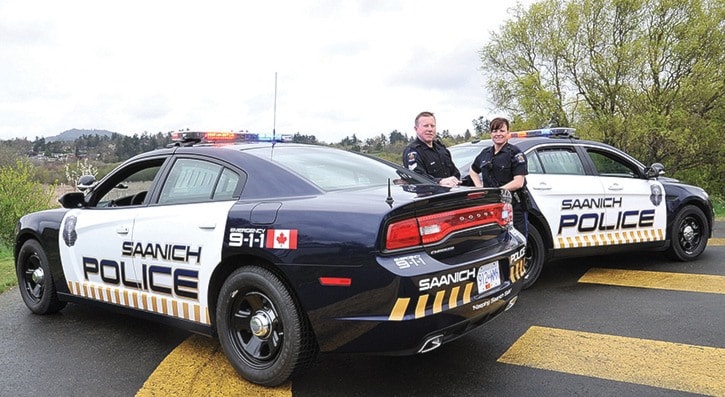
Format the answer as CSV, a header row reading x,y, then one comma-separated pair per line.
x,y
207,226
541,186
122,230
615,187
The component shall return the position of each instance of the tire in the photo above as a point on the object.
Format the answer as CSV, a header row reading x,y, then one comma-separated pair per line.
x,y
534,261
260,327
689,234
35,280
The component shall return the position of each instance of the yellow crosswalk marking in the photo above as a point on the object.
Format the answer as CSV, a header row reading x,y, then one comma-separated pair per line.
x,y
716,241
198,367
658,280
674,366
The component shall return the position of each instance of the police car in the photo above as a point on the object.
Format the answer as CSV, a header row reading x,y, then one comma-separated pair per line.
x,y
589,198
280,250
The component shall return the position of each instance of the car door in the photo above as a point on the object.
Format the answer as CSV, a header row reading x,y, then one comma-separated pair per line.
x,y
178,237
92,239
568,198
637,212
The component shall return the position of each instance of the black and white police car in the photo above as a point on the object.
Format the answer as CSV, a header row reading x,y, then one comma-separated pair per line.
x,y
589,198
280,250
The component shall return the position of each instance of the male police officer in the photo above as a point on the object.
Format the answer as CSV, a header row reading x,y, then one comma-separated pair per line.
x,y
504,165
428,156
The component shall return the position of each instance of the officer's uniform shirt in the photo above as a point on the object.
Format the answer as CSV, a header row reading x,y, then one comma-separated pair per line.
x,y
435,162
500,168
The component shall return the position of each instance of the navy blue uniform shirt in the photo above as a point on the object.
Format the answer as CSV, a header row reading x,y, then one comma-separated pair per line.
x,y
435,162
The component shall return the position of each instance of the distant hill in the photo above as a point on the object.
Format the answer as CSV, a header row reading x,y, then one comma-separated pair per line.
x,y
72,135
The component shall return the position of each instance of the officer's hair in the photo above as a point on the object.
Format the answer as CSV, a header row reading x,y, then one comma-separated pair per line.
x,y
498,122
424,114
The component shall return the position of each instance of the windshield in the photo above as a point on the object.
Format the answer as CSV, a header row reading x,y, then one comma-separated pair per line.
x,y
335,169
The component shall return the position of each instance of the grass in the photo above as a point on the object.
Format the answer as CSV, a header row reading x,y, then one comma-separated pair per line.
x,y
719,204
7,270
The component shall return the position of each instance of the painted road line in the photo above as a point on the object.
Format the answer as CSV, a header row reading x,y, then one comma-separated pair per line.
x,y
658,280
198,367
716,241
674,366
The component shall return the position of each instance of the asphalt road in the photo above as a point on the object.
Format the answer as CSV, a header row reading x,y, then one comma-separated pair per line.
x,y
591,338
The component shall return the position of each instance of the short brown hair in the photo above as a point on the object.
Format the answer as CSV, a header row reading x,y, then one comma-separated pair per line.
x,y
497,123
424,114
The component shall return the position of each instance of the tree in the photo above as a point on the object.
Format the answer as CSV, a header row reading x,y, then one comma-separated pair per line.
x,y
19,194
647,76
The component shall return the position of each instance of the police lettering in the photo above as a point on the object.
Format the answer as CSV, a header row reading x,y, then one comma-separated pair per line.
x,y
157,278
446,279
593,221
169,252
589,203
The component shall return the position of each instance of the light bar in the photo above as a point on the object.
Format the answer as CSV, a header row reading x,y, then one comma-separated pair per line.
x,y
559,131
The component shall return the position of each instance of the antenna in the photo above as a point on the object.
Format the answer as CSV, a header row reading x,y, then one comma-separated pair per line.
x,y
274,121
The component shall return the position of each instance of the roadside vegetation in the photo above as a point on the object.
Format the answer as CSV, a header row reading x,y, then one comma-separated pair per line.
x,y
7,270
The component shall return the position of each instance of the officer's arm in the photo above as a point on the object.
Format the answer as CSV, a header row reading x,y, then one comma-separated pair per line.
x,y
475,178
516,184
413,162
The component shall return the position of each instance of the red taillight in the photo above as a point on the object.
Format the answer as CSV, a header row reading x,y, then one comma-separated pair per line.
x,y
435,227
336,281
402,234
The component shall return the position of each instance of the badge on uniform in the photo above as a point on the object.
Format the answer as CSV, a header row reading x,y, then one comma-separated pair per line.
x,y
520,158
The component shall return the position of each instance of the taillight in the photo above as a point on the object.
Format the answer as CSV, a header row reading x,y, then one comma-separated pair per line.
x,y
432,228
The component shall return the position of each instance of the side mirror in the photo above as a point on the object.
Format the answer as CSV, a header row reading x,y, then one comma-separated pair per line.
x,y
72,200
86,182
655,170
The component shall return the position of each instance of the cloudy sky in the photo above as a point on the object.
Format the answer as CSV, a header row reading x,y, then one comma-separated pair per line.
x,y
341,67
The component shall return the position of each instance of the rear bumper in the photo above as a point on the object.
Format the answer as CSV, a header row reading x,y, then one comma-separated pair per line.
x,y
432,305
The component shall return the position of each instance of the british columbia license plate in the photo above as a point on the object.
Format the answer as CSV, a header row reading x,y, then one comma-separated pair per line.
x,y
488,277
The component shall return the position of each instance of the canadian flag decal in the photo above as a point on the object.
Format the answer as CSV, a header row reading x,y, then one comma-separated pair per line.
x,y
282,239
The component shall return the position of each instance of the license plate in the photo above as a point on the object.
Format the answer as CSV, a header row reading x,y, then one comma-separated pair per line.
x,y
488,277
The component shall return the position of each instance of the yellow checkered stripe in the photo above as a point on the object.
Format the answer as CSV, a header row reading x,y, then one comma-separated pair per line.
x,y
446,299
429,304
611,238
141,301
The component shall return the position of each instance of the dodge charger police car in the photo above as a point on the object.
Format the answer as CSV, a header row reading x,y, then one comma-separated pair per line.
x,y
280,250
589,198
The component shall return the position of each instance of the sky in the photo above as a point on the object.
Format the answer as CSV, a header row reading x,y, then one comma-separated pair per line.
x,y
328,68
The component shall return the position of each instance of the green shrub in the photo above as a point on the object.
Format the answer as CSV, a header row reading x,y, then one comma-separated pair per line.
x,y
19,194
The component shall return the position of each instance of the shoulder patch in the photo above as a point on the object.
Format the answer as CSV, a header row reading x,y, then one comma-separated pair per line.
x,y
520,158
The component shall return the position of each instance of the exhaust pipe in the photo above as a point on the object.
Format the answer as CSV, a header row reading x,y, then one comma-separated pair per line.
x,y
511,303
431,343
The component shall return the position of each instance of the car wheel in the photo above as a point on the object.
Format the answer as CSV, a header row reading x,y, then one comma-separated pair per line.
x,y
35,280
260,327
689,234
534,261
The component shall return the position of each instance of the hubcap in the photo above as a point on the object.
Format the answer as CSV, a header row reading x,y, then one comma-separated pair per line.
x,y
688,233
38,275
260,324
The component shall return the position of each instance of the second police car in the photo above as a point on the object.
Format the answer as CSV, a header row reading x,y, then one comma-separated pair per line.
x,y
280,250
589,198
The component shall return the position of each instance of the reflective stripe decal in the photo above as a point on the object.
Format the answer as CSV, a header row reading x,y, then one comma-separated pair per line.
x,y
456,297
143,301
601,239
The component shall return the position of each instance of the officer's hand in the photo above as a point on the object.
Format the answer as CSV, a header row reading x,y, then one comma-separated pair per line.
x,y
451,181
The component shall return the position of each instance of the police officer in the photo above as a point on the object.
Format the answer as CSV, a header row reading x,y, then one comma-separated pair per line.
x,y
504,165
428,156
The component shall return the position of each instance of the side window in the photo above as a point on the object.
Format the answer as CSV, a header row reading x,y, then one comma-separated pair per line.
x,y
610,165
193,181
534,164
560,161
127,186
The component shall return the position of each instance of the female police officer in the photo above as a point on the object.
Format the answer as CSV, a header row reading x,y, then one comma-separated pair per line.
x,y
504,165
